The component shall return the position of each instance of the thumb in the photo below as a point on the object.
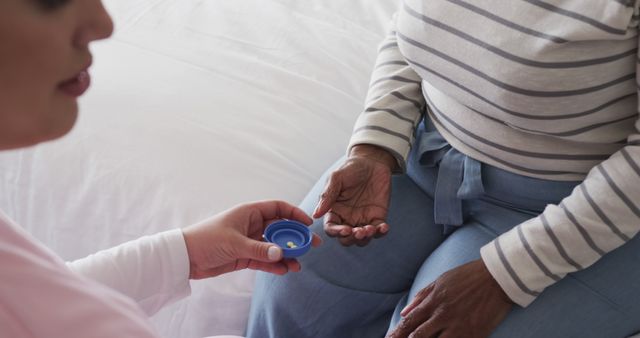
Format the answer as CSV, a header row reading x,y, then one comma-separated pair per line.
x,y
261,251
328,197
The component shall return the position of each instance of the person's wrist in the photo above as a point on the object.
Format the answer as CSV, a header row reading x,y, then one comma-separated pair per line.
x,y
493,282
189,240
374,153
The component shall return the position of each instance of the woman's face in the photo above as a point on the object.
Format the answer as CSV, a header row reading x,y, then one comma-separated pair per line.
x,y
44,57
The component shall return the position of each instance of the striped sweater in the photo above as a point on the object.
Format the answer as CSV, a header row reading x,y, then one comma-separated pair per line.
x,y
546,89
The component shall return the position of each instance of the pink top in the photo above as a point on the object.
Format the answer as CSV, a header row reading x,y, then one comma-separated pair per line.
x,y
108,294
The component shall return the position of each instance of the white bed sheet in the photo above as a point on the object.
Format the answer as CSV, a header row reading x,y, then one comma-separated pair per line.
x,y
198,105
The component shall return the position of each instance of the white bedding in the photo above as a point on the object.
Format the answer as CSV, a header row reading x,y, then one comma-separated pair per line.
x,y
198,105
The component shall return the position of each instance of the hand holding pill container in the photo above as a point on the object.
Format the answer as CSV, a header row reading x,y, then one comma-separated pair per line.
x,y
293,237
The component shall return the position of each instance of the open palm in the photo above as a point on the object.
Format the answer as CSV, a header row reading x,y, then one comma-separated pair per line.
x,y
355,201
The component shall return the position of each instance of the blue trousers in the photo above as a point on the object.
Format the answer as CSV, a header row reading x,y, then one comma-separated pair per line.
x,y
358,291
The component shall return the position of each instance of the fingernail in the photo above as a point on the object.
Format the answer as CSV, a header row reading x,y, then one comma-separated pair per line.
x,y
273,253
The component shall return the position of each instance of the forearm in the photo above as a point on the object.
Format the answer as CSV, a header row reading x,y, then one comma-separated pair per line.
x,y
600,215
152,270
394,104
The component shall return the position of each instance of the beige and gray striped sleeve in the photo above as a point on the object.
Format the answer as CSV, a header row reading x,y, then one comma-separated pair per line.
x,y
600,215
394,103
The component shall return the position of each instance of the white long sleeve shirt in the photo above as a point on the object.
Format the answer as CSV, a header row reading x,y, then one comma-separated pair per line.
x,y
546,89
41,296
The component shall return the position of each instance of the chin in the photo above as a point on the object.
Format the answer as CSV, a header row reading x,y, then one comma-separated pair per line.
x,y
62,127
59,123
38,124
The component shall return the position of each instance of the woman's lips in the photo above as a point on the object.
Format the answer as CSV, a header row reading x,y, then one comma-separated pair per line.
x,y
77,85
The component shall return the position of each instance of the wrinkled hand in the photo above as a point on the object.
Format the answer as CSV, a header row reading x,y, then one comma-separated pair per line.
x,y
463,302
232,240
356,197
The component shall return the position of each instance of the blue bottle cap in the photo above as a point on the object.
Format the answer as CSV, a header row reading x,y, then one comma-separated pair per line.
x,y
293,237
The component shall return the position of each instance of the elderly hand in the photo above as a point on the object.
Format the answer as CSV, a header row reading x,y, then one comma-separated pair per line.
x,y
232,240
356,197
463,302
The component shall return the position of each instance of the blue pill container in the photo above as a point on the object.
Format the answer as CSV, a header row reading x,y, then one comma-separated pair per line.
x,y
284,231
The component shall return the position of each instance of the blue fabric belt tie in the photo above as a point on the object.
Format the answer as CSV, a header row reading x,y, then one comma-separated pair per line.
x,y
459,178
